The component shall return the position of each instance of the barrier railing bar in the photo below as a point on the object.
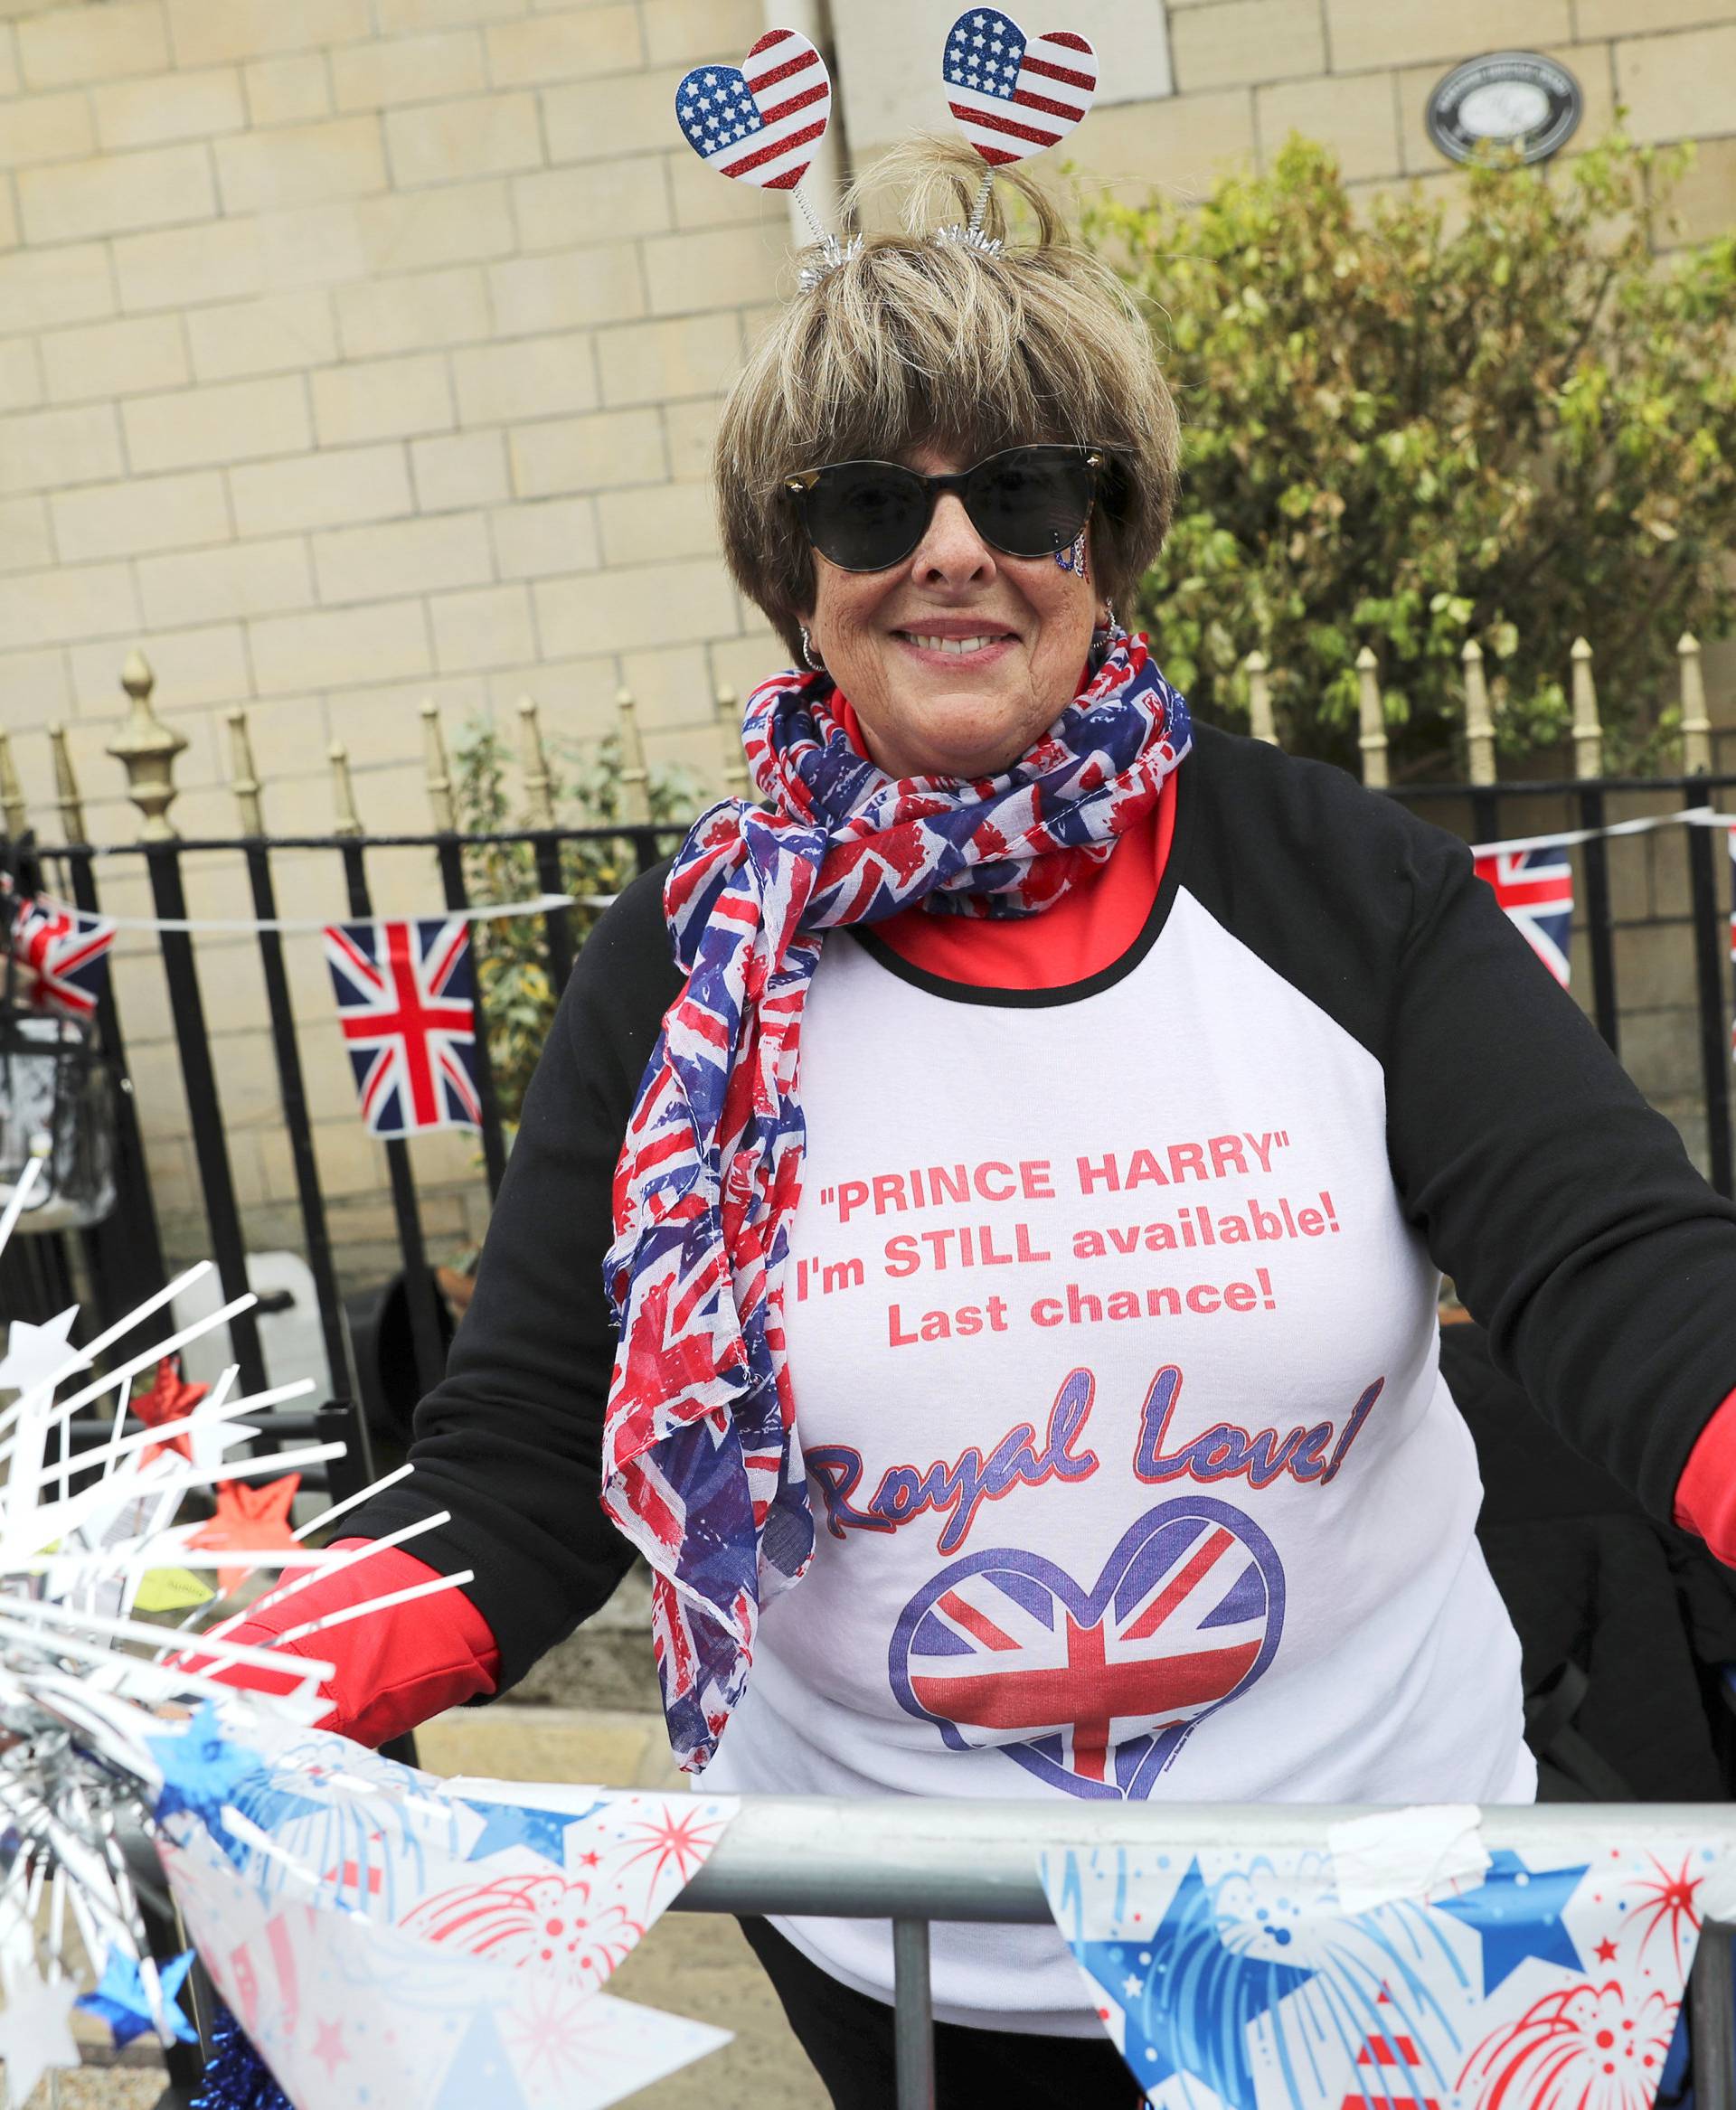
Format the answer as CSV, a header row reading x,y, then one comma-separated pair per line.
x,y
457,896
546,846
129,1242
419,1283
1714,1024
913,1858
204,1107
297,1123
1599,923
1712,2020
913,2015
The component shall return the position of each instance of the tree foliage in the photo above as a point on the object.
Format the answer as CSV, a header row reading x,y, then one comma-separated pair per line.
x,y
513,982
1498,416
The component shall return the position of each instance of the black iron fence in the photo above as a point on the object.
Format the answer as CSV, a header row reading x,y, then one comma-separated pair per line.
x,y
122,1258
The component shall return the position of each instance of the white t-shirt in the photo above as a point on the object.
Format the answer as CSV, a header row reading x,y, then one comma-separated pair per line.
x,y
1114,1368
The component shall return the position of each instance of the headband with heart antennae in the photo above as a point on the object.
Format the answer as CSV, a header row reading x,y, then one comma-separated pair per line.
x,y
1012,96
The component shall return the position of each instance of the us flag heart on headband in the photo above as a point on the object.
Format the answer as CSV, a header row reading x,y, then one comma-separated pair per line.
x,y
761,122
1015,95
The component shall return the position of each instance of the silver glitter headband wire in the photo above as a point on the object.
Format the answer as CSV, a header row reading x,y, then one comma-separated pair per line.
x,y
836,250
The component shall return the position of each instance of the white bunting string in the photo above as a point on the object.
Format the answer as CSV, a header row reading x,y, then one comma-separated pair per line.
x,y
491,912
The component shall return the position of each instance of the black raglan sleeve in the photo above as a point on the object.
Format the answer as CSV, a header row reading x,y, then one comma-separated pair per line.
x,y
1566,1211
511,1441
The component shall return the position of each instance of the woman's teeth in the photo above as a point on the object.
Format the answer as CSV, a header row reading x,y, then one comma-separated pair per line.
x,y
954,644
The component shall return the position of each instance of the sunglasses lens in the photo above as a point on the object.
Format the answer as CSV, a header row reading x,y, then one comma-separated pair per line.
x,y
865,516
1031,501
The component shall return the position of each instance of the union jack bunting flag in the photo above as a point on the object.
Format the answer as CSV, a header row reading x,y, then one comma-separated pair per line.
x,y
1015,95
406,1000
1535,888
761,123
61,958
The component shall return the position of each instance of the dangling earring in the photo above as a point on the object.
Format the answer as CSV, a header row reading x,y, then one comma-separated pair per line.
x,y
809,653
1106,626
1072,558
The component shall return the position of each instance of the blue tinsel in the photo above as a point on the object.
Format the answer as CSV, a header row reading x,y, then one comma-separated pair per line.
x,y
237,2078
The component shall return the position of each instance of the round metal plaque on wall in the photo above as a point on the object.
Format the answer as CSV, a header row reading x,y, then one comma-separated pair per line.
x,y
1507,99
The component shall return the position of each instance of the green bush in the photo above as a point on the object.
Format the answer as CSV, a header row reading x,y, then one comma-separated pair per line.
x,y
1499,416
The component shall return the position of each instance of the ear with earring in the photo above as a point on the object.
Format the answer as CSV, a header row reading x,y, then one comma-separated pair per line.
x,y
809,653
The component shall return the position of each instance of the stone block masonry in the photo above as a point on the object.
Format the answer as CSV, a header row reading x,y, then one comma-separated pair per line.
x,y
358,351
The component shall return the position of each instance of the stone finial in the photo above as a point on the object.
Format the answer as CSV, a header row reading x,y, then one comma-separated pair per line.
x,y
1260,721
244,777
437,770
735,763
1372,714
538,786
66,789
12,793
1479,720
1696,726
348,821
1588,729
636,781
145,748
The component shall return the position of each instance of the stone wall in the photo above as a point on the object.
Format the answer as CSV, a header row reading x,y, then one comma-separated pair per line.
x,y
358,353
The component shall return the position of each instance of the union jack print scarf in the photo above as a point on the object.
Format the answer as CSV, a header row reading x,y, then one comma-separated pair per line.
x,y
702,1467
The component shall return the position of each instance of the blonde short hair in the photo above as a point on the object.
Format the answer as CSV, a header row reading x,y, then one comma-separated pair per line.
x,y
916,343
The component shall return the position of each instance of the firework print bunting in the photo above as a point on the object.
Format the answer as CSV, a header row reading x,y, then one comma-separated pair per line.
x,y
761,122
406,1002
384,1936
1550,1982
60,958
1015,95
700,1468
1535,890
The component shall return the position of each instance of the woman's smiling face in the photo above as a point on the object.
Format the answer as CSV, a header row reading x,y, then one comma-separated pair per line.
x,y
958,658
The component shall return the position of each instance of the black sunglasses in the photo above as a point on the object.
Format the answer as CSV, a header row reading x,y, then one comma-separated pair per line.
x,y
1029,501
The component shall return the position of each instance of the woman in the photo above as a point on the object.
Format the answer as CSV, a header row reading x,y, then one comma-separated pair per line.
x,y
1033,1391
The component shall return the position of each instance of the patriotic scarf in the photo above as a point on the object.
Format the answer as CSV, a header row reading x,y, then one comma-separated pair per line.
x,y
701,1468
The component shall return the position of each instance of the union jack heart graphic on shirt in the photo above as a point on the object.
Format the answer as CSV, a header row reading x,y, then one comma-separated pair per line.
x,y
1106,1683
761,122
1015,95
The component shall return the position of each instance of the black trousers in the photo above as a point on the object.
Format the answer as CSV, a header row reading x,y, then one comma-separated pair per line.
x,y
848,2039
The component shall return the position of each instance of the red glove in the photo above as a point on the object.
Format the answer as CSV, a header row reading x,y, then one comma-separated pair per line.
x,y
393,1669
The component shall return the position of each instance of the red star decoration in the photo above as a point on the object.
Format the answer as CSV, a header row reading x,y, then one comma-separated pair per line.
x,y
328,2045
1606,1951
248,1520
170,1399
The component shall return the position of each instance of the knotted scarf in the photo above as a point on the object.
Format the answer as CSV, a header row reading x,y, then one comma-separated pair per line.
x,y
702,1467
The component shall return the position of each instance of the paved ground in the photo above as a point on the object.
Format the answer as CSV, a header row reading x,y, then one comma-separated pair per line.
x,y
692,1964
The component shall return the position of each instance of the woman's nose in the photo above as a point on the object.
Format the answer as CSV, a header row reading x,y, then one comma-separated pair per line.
x,y
952,552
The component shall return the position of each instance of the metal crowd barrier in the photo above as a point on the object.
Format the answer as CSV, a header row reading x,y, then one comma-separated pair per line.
x,y
914,1861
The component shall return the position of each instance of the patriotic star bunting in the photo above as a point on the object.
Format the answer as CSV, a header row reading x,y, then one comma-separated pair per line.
x,y
202,1769
248,1520
1518,1911
1188,1999
120,1999
509,1824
